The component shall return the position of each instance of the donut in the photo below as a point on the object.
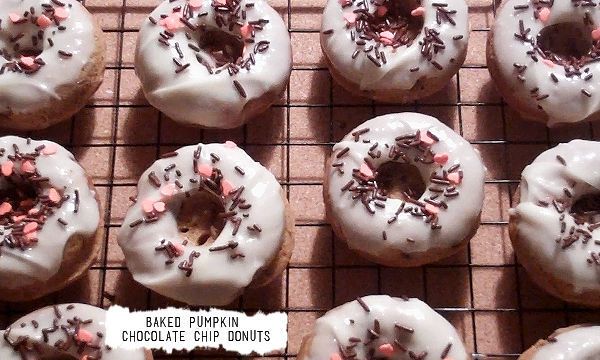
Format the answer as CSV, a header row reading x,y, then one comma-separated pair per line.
x,y
64,331
382,327
213,63
49,218
575,342
556,219
543,56
394,51
51,63
404,190
207,223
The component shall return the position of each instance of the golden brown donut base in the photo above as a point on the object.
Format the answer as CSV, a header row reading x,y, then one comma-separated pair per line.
x,y
394,257
305,347
423,87
73,97
530,353
545,280
78,256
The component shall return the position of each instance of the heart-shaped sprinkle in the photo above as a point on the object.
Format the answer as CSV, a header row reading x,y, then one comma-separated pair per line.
x,y
5,208
454,178
30,227
205,170
344,2
226,187
432,209
386,349
195,3
84,336
440,158
27,61
425,138
54,196
33,211
596,34
335,356
15,18
168,190
28,167
366,171
246,32
7,168
159,206
544,15
43,21
382,10
61,13
18,218
30,237
148,206
179,249
49,149
419,11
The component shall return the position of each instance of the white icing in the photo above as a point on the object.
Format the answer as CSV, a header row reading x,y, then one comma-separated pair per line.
x,y
45,318
582,343
42,260
539,226
363,231
217,278
432,333
395,73
566,103
196,97
20,92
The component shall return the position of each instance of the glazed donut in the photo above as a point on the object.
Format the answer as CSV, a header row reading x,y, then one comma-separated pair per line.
x,y
213,63
578,342
543,56
74,331
380,327
404,190
555,223
392,50
49,217
172,250
51,63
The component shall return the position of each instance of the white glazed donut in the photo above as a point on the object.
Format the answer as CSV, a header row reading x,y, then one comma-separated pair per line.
x,y
256,232
382,327
67,330
386,62
555,240
49,215
578,342
535,80
413,230
51,61
183,77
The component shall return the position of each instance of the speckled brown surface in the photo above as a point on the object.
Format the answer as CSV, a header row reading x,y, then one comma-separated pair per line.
x,y
481,290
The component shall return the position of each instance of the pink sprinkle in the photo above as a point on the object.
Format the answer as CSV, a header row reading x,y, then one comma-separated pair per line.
x,y
426,139
5,208
28,61
350,17
179,249
49,149
54,196
205,170
366,170
33,211
335,356
548,62
14,17
432,209
386,349
30,227
246,31
28,167
454,178
226,187
7,168
387,34
168,190
84,336
420,11
148,206
43,21
596,34
195,3
230,144
382,10
544,15
344,2
31,236
441,158
159,206
221,2
18,218
172,22
61,13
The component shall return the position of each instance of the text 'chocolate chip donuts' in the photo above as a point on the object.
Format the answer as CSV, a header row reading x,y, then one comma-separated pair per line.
x,y
52,61
208,222
554,226
394,50
213,63
404,189
382,327
577,342
49,216
543,56
65,331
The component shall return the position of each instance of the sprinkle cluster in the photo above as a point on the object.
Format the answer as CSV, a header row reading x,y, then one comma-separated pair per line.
x,y
45,17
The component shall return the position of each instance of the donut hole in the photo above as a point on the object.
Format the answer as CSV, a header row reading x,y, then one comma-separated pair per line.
x,y
586,209
395,16
566,42
223,48
398,180
199,217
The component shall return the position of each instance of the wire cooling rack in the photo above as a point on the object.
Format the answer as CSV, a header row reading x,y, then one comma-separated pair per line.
x,y
482,290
